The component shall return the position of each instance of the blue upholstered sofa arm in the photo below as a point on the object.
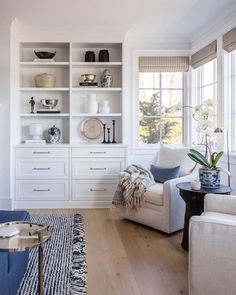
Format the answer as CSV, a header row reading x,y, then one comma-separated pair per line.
x,y
12,265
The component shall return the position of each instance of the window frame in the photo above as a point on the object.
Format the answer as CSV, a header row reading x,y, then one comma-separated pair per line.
x,y
197,93
161,89
229,95
135,95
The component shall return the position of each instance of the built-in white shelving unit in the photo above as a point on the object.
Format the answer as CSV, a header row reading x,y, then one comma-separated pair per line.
x,y
67,66
77,172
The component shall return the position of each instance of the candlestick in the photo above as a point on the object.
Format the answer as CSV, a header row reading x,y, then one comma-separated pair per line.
x,y
104,133
114,131
108,135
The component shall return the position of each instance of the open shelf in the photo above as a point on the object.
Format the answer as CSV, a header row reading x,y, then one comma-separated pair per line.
x,y
68,67
96,89
96,64
43,64
44,89
44,115
97,115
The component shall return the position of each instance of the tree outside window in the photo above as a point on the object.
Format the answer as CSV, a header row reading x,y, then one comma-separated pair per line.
x,y
160,108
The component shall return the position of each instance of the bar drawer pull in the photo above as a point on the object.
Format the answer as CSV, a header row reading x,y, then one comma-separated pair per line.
x,y
41,152
41,190
98,168
98,152
42,168
98,190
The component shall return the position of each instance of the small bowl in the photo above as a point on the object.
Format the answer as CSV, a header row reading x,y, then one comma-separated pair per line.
x,y
44,54
88,77
49,103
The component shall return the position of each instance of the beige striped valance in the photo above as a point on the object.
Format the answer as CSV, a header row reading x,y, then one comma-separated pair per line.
x,y
163,63
204,55
229,40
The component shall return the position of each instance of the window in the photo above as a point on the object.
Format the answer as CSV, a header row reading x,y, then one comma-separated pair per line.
x,y
207,81
205,89
160,107
230,97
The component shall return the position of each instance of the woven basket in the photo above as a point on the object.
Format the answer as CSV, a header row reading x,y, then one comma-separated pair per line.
x,y
45,80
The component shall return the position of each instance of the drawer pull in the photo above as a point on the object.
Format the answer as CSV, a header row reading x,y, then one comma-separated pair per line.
x,y
41,152
41,168
41,190
98,190
98,168
98,152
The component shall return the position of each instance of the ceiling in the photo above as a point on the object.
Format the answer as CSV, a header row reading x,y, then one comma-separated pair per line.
x,y
177,19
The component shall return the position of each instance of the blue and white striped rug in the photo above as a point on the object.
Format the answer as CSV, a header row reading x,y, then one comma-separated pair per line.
x,y
65,270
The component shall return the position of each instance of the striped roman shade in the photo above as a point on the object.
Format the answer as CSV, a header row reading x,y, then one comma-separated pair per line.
x,y
163,63
204,55
229,40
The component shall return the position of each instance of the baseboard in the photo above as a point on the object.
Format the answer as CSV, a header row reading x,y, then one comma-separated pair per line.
x,y
5,204
60,204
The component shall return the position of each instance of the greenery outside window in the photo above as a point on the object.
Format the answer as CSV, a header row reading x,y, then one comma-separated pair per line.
x,y
160,107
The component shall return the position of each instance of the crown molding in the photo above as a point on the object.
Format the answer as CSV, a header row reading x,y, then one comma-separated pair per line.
x,y
214,31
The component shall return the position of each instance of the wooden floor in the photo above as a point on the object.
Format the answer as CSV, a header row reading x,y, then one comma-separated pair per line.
x,y
125,258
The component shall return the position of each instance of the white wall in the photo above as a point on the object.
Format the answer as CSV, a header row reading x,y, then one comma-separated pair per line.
x,y
5,114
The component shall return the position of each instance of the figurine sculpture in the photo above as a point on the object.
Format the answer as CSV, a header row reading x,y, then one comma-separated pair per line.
x,y
106,79
32,104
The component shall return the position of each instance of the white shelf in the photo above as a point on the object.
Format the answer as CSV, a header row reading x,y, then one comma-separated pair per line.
x,y
97,115
68,66
44,115
96,89
96,64
44,89
43,64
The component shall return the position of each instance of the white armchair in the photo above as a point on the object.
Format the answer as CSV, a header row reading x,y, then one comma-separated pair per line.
x,y
164,209
212,256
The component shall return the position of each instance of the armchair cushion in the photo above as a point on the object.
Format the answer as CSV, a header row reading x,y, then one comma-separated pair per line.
x,y
220,203
154,194
172,156
162,174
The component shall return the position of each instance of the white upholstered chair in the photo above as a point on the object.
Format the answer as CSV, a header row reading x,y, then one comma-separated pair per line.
x,y
164,209
212,256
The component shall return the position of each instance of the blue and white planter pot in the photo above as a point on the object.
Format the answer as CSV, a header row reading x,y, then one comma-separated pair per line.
x,y
209,178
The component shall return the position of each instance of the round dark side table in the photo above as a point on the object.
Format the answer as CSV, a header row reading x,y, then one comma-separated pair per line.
x,y
194,200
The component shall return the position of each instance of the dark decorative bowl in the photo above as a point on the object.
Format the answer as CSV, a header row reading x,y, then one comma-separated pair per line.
x,y
44,54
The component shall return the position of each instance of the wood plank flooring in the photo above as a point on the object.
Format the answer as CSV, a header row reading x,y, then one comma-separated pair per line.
x,y
125,258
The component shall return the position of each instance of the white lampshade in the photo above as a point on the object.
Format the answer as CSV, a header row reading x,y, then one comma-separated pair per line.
x,y
35,131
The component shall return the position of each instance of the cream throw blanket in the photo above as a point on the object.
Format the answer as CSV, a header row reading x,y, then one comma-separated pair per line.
x,y
132,187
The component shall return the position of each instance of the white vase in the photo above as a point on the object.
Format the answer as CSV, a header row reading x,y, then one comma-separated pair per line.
x,y
104,107
35,131
92,105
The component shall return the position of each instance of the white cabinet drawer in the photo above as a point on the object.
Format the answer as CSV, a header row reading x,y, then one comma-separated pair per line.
x,y
39,190
100,152
42,152
41,169
97,169
93,190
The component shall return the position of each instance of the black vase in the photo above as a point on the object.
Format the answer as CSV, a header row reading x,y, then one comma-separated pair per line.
x,y
103,55
90,56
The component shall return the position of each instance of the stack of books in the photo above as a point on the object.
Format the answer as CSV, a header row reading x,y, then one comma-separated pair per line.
x,y
88,84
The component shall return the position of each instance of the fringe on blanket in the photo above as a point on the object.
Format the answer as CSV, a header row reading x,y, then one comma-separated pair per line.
x,y
130,194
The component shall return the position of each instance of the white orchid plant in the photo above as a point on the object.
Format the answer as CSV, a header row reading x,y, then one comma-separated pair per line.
x,y
204,115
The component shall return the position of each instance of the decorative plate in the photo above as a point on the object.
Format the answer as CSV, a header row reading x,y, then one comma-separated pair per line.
x,y
92,128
